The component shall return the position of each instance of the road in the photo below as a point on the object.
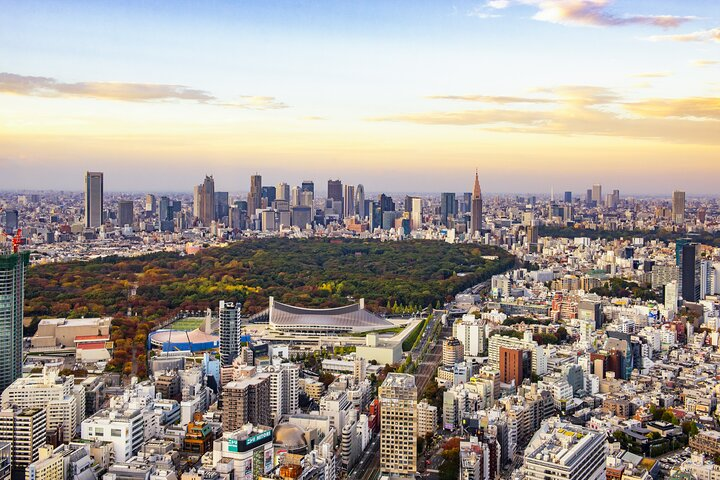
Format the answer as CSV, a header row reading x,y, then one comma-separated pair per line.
x,y
368,468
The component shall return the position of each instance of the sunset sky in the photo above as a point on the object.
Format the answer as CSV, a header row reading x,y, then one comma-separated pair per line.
x,y
398,95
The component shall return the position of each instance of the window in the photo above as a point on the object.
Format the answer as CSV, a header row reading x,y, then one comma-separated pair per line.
x,y
115,432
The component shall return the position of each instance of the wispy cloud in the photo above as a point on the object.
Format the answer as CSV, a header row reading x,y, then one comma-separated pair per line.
x,y
35,86
590,13
705,63
690,107
712,35
652,75
588,110
489,99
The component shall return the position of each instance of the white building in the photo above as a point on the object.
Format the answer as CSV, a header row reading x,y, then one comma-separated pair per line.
x,y
471,333
121,426
427,416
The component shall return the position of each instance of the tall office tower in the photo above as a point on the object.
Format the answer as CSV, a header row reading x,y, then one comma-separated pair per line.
x,y
348,200
335,190
360,201
568,197
164,212
306,198
616,197
588,197
282,191
308,186
230,331
597,194
93,199
466,202
448,208
204,201
453,351
398,424
247,401
125,213
476,207
269,193
12,292
26,430
295,196
255,195
678,206
532,237
690,272
222,205
11,221
150,204
416,213
386,203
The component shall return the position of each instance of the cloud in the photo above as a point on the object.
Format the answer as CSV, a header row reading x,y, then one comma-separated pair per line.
x,y
712,35
480,13
590,13
489,99
705,63
690,107
34,86
651,75
589,110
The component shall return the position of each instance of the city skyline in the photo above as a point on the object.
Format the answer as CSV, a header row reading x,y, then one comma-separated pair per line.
x,y
561,93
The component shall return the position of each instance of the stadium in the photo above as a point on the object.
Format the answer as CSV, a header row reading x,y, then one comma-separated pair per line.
x,y
181,340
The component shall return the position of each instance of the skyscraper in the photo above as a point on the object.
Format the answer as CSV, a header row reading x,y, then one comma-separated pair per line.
x,y
222,205
678,206
348,200
93,199
11,221
398,424
689,272
360,201
335,190
125,213
568,197
448,207
204,201
150,203
255,195
12,293
230,330
415,213
597,194
308,186
282,191
476,207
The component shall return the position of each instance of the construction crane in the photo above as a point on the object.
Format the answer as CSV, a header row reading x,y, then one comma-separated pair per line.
x,y
17,240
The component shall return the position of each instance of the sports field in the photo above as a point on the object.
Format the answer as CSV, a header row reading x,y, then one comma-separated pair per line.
x,y
187,324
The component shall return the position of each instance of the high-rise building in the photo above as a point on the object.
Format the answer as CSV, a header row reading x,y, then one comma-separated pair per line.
x,y
230,330
269,193
282,191
150,204
295,193
561,451
476,207
308,186
222,205
597,194
386,204
93,199
511,365
335,190
12,292
25,429
125,213
360,201
204,201
416,218
568,197
678,206
471,333
10,221
689,272
398,424
348,200
452,352
164,212
255,195
448,208
247,401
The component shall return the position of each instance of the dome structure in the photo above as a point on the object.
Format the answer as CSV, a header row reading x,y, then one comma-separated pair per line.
x,y
290,437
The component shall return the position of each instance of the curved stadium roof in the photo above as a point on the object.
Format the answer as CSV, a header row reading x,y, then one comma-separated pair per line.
x,y
348,318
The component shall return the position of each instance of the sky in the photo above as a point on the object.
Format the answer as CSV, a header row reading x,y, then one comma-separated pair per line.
x,y
408,95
